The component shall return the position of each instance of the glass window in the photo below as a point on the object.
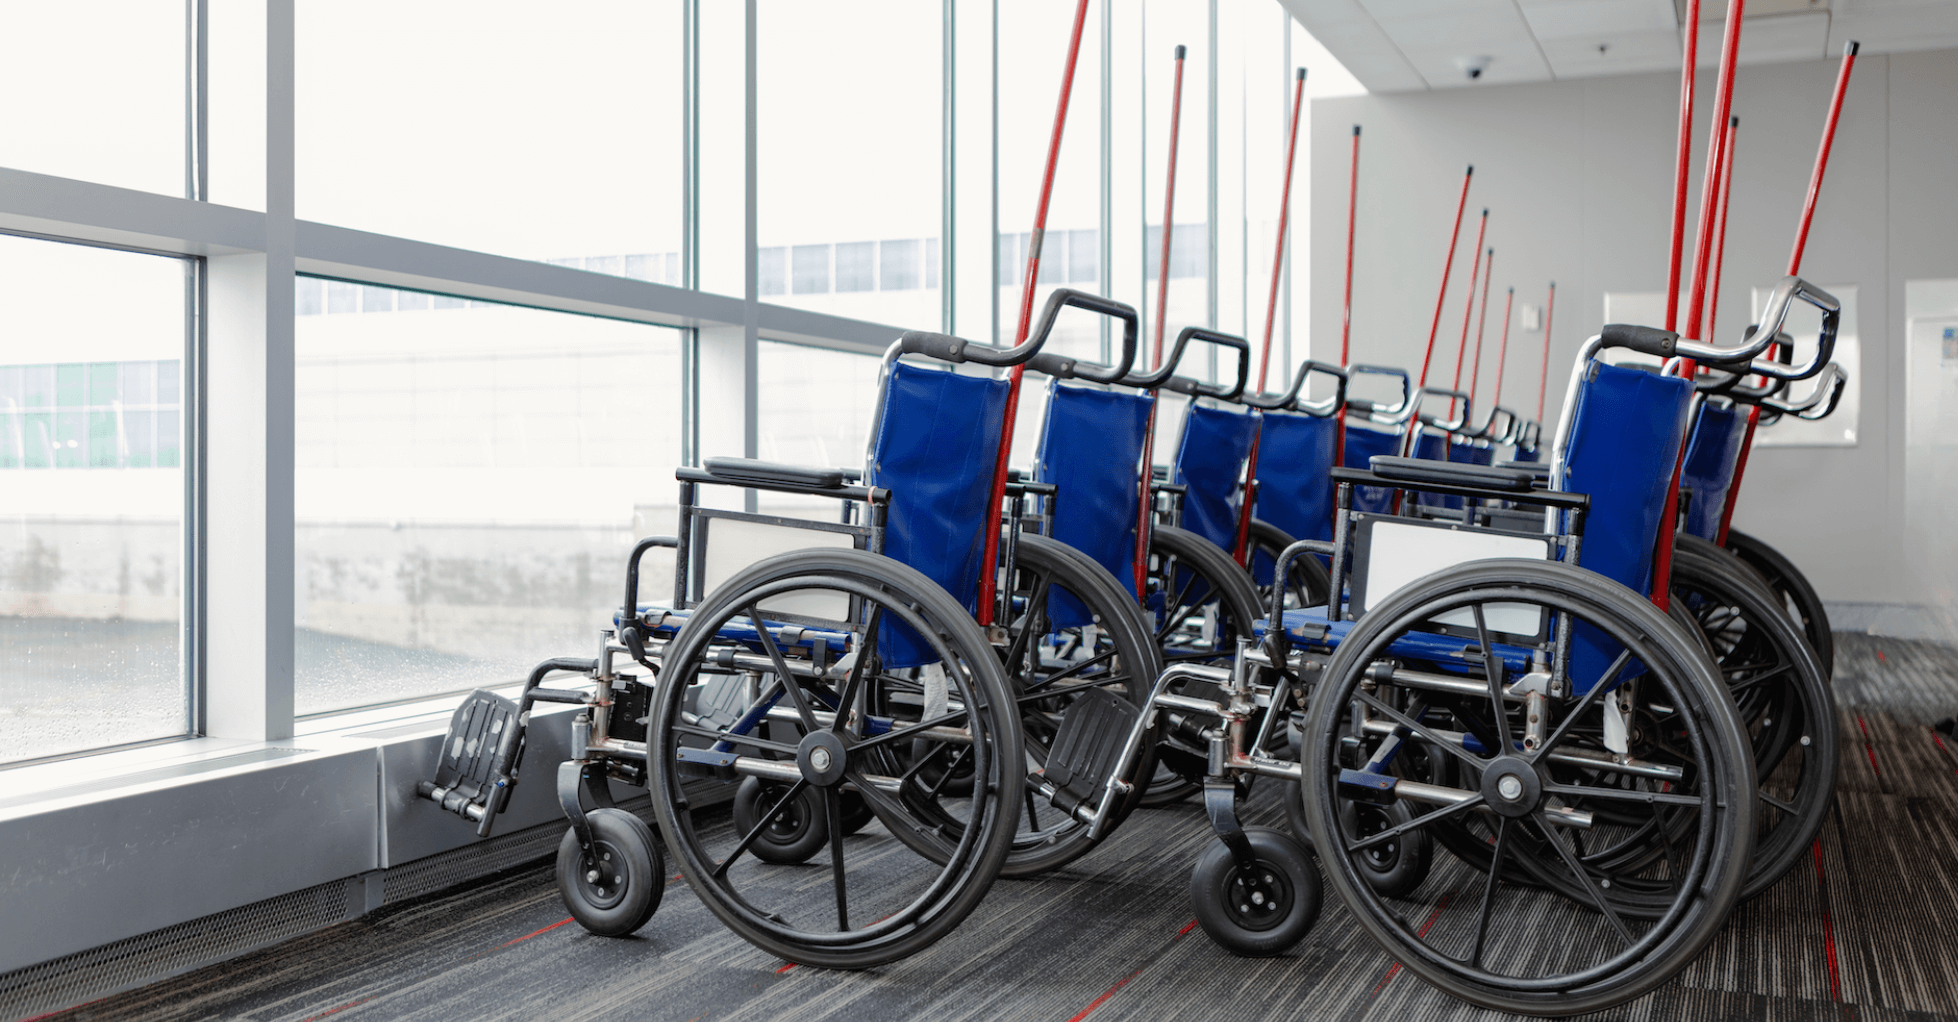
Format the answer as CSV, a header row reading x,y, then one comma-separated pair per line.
x,y
854,164
470,479
97,91
91,498
815,410
548,133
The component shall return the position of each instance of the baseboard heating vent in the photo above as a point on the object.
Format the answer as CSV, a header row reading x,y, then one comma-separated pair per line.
x,y
126,964
134,961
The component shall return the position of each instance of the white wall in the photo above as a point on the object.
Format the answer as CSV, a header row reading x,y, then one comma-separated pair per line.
x,y
1577,177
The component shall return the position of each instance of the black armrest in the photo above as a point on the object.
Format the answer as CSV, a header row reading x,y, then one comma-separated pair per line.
x,y
770,473
1448,473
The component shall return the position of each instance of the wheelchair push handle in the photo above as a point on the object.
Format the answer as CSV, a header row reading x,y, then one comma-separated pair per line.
x,y
1730,384
1819,404
1291,399
1451,425
1066,368
1390,415
1165,374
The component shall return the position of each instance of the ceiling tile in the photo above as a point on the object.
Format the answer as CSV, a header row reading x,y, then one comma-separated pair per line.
x,y
1593,20
1769,40
1436,35
1626,53
1347,30
1895,27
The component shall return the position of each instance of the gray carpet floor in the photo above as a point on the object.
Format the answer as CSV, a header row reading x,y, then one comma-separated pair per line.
x,y
1862,930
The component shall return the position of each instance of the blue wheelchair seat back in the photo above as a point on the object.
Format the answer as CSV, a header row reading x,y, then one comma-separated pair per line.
x,y
1210,458
933,448
1625,436
1362,445
1295,455
1708,473
1091,449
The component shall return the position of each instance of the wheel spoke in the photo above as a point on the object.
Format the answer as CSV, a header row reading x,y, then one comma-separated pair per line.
x,y
1625,795
936,751
1421,820
733,739
866,652
1098,658
1451,747
899,734
1786,807
1489,893
720,871
950,768
1176,607
1018,649
1597,690
1493,671
833,806
1590,887
789,684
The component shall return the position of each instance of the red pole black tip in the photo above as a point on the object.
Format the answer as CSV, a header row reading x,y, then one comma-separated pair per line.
x,y
1356,129
1850,48
1301,74
1471,170
1179,51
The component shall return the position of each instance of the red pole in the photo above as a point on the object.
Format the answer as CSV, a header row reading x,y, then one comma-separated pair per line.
x,y
1346,310
1502,354
1284,213
1822,156
1720,231
1794,267
988,584
1468,313
1481,326
1682,162
1169,209
1162,306
1271,315
1723,102
1454,235
1543,381
1352,202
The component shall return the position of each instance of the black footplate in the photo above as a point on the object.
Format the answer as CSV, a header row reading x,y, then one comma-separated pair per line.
x,y
1088,744
471,772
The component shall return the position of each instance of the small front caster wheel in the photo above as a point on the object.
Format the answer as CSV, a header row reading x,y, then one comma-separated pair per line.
x,y
795,829
614,886
1259,915
1394,868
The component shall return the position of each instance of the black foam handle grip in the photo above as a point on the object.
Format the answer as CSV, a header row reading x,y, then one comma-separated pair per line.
x,y
944,347
1649,340
1063,297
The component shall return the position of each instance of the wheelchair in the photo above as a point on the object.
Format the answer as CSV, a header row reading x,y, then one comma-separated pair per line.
x,y
839,682
1529,710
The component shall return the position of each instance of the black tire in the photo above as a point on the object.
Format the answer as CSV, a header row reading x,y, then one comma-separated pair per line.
x,y
613,888
1247,924
1309,581
1551,957
1789,584
796,828
1200,603
1397,868
899,902
1783,698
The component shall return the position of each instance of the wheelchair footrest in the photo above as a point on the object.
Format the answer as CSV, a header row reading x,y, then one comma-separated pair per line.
x,y
1089,742
466,769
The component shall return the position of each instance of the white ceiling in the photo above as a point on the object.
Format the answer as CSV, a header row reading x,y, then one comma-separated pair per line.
x,y
1410,45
